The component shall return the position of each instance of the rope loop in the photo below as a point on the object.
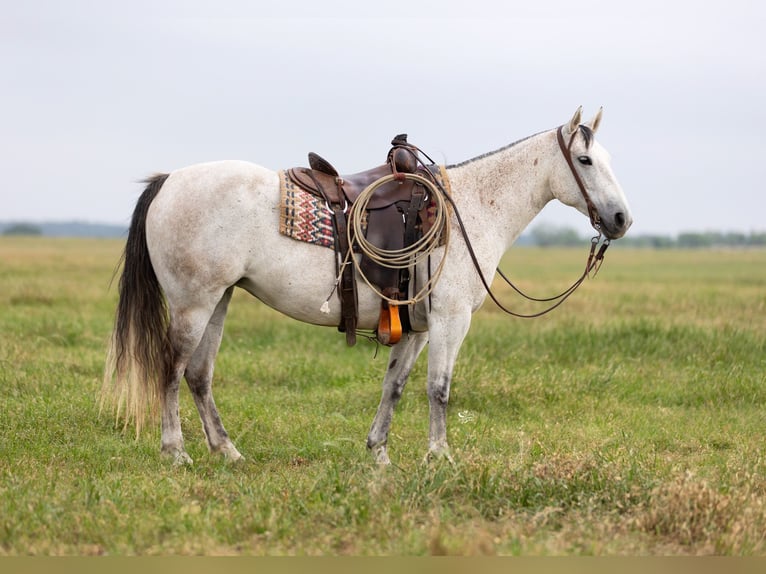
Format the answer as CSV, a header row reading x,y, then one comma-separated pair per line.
x,y
408,256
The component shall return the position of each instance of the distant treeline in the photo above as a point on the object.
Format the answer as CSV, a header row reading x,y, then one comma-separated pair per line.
x,y
692,240
63,229
554,236
543,235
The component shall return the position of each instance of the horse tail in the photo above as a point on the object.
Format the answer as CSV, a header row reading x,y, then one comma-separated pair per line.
x,y
139,358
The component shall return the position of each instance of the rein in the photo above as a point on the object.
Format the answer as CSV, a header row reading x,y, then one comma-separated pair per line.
x,y
594,261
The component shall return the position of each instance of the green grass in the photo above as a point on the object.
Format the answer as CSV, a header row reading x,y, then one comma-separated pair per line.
x,y
629,421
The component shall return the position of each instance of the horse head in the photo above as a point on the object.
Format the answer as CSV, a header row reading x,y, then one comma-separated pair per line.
x,y
584,179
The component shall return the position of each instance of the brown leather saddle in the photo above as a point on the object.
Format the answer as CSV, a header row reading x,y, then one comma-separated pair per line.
x,y
396,213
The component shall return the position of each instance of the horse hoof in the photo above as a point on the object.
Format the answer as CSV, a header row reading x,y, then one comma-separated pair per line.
x,y
181,459
381,455
435,455
231,454
178,457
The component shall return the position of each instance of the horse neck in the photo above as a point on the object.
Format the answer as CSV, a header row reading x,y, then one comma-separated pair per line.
x,y
500,193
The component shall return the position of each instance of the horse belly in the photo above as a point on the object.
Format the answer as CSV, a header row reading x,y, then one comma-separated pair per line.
x,y
297,280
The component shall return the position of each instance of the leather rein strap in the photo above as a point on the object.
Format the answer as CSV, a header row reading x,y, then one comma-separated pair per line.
x,y
595,259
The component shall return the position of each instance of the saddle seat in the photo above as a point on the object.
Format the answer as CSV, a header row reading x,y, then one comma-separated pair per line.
x,y
396,212
324,181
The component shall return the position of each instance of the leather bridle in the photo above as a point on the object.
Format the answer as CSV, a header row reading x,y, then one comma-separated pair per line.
x,y
595,259
566,150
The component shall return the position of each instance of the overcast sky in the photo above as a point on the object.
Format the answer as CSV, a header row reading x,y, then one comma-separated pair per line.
x,y
98,95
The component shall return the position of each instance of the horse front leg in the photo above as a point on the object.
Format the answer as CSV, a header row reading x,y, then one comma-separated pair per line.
x,y
400,363
447,336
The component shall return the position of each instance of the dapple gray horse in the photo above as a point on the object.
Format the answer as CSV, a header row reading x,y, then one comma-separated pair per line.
x,y
203,230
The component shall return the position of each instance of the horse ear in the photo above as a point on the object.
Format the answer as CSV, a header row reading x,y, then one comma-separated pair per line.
x,y
596,121
575,121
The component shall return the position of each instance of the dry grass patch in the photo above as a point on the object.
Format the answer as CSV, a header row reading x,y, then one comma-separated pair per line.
x,y
688,513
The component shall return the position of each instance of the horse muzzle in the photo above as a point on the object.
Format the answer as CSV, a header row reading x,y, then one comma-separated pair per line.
x,y
616,225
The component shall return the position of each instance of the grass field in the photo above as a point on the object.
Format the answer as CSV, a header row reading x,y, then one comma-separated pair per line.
x,y
630,421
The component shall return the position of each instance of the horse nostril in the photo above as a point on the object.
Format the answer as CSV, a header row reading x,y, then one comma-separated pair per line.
x,y
619,219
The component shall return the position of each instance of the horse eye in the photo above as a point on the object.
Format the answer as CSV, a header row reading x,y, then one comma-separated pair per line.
x,y
585,160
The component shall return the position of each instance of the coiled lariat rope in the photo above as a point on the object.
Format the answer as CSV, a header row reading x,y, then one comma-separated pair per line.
x,y
409,256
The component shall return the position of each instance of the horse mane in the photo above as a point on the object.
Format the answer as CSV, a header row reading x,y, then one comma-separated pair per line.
x,y
586,132
491,153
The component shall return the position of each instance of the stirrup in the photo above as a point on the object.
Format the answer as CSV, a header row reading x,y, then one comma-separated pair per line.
x,y
389,325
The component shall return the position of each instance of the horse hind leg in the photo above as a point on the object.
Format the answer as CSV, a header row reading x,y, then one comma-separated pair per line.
x,y
188,327
199,377
400,363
